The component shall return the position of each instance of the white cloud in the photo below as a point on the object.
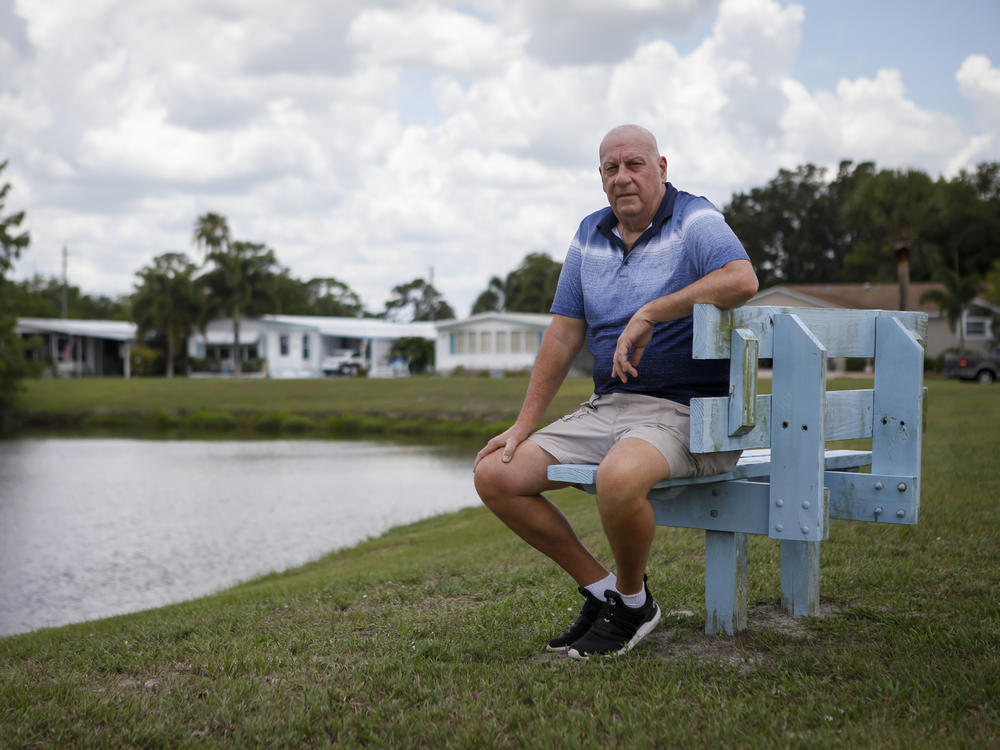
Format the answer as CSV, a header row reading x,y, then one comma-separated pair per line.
x,y
431,36
979,81
594,31
870,119
125,121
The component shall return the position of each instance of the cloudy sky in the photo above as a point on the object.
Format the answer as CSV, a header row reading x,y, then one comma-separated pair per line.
x,y
375,140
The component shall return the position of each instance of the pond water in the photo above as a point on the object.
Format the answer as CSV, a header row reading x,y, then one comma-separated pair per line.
x,y
95,527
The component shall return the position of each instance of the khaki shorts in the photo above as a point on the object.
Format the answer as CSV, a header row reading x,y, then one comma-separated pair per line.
x,y
586,435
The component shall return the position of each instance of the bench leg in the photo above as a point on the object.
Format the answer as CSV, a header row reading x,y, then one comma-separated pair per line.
x,y
725,582
800,578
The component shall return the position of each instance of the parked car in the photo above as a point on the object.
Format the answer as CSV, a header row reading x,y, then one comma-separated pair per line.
x,y
343,362
984,368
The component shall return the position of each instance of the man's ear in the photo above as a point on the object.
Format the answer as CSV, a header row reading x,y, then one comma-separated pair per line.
x,y
663,168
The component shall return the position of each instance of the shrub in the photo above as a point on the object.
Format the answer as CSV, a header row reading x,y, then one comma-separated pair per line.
x,y
270,422
210,421
164,420
298,423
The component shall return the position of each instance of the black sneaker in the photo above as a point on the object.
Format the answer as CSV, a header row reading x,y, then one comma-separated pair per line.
x,y
617,628
591,607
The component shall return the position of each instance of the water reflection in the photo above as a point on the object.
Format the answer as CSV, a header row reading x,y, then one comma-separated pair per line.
x,y
94,527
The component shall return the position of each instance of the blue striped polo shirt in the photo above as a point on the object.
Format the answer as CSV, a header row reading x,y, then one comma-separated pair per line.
x,y
604,284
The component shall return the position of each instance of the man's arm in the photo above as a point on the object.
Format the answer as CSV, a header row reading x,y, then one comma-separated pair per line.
x,y
727,287
561,343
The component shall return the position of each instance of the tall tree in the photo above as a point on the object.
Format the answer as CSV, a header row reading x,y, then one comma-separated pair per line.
x,y
531,286
329,296
967,220
954,299
240,282
13,366
417,300
492,299
166,300
886,211
211,233
41,297
791,227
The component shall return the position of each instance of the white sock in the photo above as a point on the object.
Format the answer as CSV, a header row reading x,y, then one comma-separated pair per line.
x,y
634,600
597,588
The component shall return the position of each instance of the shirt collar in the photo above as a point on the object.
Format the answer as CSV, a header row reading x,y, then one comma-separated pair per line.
x,y
609,221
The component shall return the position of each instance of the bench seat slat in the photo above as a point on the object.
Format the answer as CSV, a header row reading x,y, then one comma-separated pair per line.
x,y
753,464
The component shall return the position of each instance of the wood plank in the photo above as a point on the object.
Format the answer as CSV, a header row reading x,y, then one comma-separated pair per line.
x,y
800,578
743,366
753,464
797,455
846,415
883,498
898,406
725,582
842,332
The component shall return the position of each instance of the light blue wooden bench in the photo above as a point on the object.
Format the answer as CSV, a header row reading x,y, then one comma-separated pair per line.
x,y
787,485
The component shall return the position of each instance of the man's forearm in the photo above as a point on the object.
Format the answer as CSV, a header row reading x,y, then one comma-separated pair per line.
x,y
560,345
727,287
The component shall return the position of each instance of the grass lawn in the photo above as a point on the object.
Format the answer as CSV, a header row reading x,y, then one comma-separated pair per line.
x,y
433,634
466,397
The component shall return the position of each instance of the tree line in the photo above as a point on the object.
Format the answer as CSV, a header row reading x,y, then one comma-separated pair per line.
x,y
803,226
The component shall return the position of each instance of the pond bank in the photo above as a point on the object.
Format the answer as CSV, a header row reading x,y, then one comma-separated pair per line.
x,y
202,422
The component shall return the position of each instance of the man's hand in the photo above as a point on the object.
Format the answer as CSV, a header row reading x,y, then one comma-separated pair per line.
x,y
508,440
631,346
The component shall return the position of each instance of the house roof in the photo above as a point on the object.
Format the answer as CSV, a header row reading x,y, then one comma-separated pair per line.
x,y
363,328
113,330
535,320
855,296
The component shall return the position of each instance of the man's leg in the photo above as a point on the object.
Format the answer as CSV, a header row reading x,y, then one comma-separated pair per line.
x,y
513,492
624,479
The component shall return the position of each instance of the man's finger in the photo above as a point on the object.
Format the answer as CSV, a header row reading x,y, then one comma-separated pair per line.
x,y
508,450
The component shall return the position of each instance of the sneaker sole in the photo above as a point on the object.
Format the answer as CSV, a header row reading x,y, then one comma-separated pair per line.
x,y
645,629
556,649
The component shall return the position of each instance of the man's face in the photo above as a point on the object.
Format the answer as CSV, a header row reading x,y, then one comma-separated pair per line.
x,y
633,175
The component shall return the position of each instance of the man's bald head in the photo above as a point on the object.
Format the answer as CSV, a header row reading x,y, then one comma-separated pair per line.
x,y
635,134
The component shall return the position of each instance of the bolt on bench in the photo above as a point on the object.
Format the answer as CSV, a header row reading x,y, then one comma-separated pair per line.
x,y
787,485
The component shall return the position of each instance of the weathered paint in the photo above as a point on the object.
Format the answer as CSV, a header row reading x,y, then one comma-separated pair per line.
x,y
846,415
725,582
808,485
897,432
800,578
743,368
797,426
843,333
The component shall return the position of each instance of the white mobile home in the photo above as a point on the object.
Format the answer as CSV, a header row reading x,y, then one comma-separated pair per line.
x,y
81,347
308,346
495,342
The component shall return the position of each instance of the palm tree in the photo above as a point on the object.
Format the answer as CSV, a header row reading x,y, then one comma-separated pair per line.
x,y
167,300
954,299
211,233
240,282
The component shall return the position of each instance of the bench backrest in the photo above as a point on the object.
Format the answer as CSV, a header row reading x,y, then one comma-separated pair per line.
x,y
800,415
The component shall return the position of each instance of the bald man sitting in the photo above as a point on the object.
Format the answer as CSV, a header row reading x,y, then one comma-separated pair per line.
x,y
632,275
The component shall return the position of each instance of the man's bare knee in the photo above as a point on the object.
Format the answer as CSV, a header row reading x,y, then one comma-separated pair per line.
x,y
525,474
629,471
